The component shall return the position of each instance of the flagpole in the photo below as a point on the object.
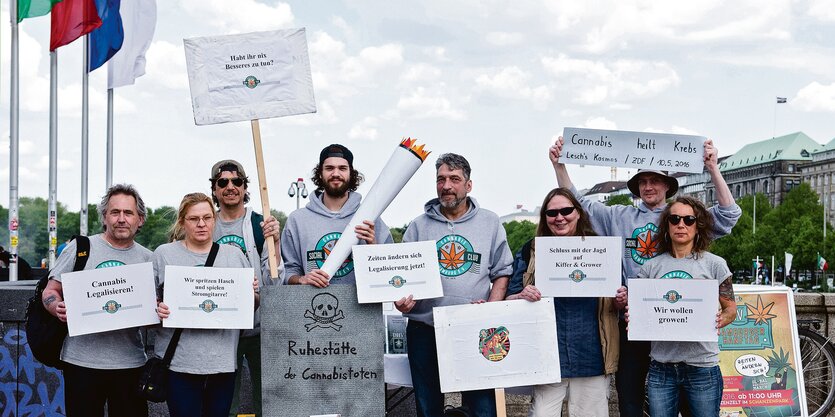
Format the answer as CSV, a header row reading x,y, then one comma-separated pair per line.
x,y
109,170
53,156
14,140
85,135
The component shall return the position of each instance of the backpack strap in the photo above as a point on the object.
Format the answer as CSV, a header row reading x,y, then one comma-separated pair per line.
x,y
82,252
210,260
257,232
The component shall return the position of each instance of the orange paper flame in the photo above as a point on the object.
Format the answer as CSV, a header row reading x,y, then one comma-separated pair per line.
x,y
411,145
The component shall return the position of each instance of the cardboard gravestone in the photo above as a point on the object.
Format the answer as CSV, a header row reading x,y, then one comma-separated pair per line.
x,y
321,352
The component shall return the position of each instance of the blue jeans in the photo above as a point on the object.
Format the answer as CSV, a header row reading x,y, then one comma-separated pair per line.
x,y
423,362
702,387
631,376
191,395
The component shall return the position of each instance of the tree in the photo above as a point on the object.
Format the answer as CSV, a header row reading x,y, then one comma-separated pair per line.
x,y
518,233
397,233
621,199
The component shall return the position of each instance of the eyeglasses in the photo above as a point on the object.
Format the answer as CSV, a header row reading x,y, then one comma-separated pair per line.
x,y
675,219
196,220
565,211
223,182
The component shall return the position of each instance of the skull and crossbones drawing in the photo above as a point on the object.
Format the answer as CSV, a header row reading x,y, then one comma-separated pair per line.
x,y
324,312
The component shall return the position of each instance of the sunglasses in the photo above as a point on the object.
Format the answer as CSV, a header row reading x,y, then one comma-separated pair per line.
x,y
675,219
565,211
223,182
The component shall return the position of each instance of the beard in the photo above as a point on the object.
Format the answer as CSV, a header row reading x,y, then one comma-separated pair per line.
x,y
336,191
451,204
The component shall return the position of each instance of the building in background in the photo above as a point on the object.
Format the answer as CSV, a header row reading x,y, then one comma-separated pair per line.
x,y
819,173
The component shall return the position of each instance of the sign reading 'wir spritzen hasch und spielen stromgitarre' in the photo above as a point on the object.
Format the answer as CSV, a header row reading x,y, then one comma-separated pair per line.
x,y
322,352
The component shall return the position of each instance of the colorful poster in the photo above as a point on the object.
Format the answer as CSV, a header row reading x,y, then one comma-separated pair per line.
x,y
760,356
578,266
621,148
497,345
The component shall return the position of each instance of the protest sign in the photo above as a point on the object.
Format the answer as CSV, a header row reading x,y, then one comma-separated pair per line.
x,y
407,157
760,357
391,272
682,310
209,298
100,300
621,148
321,352
574,266
249,76
496,345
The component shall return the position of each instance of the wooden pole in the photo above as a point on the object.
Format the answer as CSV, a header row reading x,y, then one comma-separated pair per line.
x,y
501,407
265,199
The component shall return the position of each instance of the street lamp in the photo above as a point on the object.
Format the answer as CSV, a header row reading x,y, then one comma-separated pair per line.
x,y
298,189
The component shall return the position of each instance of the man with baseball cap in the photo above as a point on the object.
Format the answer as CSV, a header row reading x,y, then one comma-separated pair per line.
x,y
241,227
639,227
312,231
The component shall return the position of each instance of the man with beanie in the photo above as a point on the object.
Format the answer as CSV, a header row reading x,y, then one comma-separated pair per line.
x,y
458,225
241,227
312,231
639,227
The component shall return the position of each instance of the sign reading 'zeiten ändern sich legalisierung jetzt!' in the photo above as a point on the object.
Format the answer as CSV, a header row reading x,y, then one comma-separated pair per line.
x,y
621,148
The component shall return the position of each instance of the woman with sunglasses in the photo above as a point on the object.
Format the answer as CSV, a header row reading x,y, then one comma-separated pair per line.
x,y
201,378
688,369
587,328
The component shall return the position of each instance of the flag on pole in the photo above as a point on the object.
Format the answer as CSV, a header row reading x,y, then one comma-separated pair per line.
x,y
781,100
789,258
822,265
139,19
107,39
33,8
72,19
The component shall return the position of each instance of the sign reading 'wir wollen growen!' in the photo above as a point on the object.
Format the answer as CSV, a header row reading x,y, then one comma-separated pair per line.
x,y
322,352
621,148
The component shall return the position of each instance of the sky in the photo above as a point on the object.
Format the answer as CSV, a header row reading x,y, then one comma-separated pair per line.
x,y
495,81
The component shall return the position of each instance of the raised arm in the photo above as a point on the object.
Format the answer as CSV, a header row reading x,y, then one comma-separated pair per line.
x,y
723,192
554,153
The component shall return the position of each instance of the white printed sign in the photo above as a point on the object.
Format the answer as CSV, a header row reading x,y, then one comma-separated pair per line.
x,y
574,266
105,299
621,148
249,76
209,298
497,345
391,272
681,310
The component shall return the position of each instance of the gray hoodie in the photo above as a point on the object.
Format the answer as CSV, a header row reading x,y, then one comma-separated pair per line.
x,y
472,253
311,232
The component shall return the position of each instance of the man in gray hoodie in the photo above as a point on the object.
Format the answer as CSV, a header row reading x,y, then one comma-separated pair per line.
x,y
312,231
242,228
472,254
638,226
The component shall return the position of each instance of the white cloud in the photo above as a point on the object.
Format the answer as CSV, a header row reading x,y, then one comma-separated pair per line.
x,y
424,104
599,122
438,53
595,82
512,82
240,15
420,72
166,65
364,129
504,38
815,97
823,10
387,55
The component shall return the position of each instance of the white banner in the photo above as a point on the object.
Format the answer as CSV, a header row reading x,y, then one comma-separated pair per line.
x,y
496,345
574,266
209,298
249,76
391,272
621,148
682,310
105,299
